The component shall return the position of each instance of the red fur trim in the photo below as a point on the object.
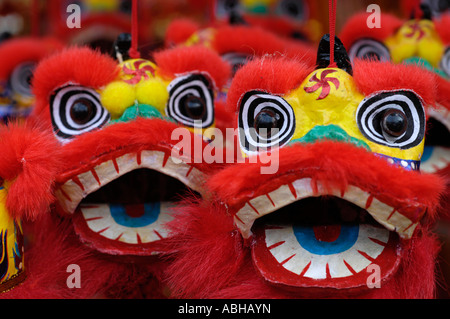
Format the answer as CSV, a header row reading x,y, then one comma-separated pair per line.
x,y
29,160
179,31
211,261
408,6
20,50
189,59
372,76
116,20
54,246
134,136
81,66
275,75
442,25
257,41
356,28
335,164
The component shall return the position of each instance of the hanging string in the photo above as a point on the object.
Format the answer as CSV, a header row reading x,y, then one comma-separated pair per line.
x,y
35,18
133,52
212,12
332,4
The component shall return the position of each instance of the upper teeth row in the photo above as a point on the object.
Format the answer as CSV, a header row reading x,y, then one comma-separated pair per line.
x,y
262,205
72,192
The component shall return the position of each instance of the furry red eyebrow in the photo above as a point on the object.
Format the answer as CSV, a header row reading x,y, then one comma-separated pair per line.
x,y
257,41
442,26
20,50
374,76
196,58
275,75
356,28
83,66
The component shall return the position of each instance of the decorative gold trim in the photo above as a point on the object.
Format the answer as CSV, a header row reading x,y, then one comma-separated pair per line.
x,y
13,282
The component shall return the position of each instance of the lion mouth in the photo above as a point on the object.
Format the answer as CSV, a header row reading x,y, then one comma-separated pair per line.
x,y
305,236
436,155
120,206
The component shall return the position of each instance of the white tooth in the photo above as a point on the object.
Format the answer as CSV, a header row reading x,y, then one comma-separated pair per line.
x,y
64,202
356,196
403,225
261,205
408,231
282,196
105,172
91,214
317,270
69,195
152,159
128,237
381,212
303,188
337,267
244,220
295,264
126,163
89,181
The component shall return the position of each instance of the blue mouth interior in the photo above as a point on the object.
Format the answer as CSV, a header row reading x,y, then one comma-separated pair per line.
x,y
135,216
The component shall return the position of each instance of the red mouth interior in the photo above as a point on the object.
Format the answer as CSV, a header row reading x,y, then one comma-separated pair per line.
x,y
323,242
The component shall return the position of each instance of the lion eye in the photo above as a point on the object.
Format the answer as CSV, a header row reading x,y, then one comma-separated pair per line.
x,y
191,101
394,119
265,121
76,110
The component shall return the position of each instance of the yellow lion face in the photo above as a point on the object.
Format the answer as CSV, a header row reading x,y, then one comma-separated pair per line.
x,y
11,243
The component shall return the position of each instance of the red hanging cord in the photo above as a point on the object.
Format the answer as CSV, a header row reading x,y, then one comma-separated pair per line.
x,y
133,52
332,4
212,12
35,18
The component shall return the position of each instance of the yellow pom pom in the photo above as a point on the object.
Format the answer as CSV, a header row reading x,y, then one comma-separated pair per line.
x,y
117,97
153,92
431,50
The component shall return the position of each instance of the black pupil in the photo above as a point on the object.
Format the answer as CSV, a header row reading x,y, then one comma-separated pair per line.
x,y
394,123
265,121
443,5
292,8
194,107
29,79
230,4
82,111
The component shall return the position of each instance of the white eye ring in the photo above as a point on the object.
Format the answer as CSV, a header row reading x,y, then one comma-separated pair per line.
x,y
369,49
252,104
445,62
371,110
61,103
198,87
20,78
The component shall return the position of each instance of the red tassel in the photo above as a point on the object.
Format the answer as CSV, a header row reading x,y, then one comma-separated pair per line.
x,y
134,53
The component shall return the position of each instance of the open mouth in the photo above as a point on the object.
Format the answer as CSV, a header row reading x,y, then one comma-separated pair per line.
x,y
120,206
436,155
303,236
